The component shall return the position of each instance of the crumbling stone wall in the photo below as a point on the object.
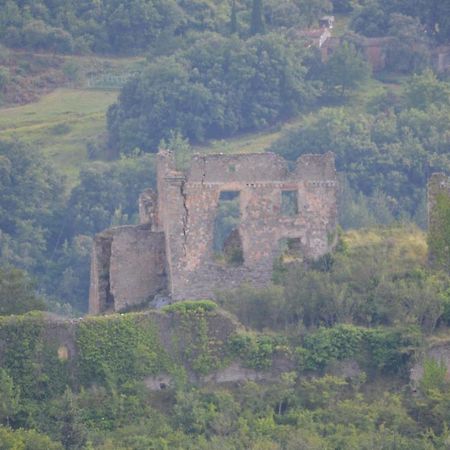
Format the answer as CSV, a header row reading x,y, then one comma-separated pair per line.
x,y
173,248
188,205
128,268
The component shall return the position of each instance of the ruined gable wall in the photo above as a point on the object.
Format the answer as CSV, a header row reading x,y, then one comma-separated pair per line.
x,y
128,268
189,206
137,269
99,290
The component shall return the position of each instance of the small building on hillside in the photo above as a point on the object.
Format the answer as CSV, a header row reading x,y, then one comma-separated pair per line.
x,y
441,59
327,22
374,49
313,37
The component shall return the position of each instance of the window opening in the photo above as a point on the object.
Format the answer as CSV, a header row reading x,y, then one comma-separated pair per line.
x,y
289,203
227,244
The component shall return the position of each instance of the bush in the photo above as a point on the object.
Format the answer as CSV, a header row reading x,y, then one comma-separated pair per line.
x,y
190,306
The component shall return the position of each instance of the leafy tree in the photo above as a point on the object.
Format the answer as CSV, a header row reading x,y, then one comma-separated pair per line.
x,y
72,431
214,89
312,10
386,158
26,440
9,397
257,21
371,20
345,69
32,199
17,293
425,89
409,51
233,18
103,189
257,308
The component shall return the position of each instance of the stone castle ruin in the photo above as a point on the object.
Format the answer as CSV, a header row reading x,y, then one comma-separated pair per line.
x,y
176,252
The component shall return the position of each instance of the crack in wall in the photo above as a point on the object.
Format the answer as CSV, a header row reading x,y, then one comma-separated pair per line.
x,y
204,170
185,215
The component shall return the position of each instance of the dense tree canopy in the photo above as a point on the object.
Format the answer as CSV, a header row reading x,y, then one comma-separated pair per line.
x,y
387,155
216,88
32,198
17,295
374,16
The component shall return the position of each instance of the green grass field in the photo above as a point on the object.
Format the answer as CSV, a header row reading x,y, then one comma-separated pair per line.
x,y
60,124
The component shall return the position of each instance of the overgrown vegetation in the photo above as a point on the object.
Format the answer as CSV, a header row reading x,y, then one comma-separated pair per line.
x,y
333,339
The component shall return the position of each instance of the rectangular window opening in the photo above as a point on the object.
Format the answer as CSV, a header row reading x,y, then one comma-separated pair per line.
x,y
228,195
289,203
227,240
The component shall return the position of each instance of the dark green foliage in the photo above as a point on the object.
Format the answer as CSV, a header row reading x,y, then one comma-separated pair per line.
x,y
376,349
195,343
226,226
345,70
72,431
31,195
372,19
439,233
117,350
293,411
378,283
214,89
328,344
386,157
409,52
255,352
9,397
108,194
257,308
106,27
233,18
33,366
424,90
26,440
17,295
257,21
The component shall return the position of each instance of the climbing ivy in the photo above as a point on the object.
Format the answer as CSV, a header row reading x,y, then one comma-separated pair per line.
x,y
377,349
255,351
119,348
197,346
439,233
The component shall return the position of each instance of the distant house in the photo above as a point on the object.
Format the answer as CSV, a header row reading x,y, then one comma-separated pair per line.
x,y
373,49
314,37
441,58
326,22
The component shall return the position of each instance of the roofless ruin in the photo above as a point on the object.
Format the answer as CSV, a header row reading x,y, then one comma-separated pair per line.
x,y
182,250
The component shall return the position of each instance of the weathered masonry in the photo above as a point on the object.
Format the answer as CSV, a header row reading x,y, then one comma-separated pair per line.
x,y
173,251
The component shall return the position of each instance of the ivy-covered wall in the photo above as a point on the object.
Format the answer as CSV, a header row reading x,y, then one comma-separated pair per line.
x,y
439,221
188,340
44,355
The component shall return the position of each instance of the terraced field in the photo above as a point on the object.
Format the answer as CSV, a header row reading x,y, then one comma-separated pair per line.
x,y
60,123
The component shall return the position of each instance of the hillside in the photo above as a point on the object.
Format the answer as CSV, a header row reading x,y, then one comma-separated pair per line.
x,y
339,340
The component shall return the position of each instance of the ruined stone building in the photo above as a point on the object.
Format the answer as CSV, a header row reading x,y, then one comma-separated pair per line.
x,y
172,252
